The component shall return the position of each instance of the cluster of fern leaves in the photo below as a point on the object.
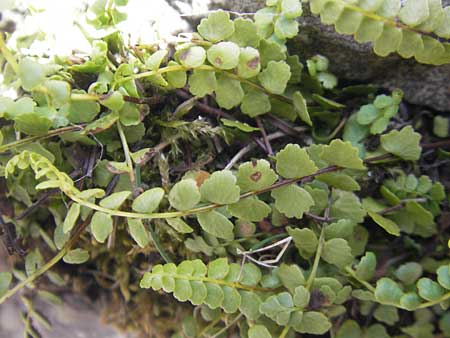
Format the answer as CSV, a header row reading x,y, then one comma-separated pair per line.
x,y
265,198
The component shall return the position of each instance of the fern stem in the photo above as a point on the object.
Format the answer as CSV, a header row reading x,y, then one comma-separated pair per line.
x,y
157,243
233,285
313,273
126,151
209,326
32,139
434,302
284,333
178,68
352,273
43,269
234,321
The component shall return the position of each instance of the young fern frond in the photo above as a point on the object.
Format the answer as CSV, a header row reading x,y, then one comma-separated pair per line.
x,y
419,29
219,284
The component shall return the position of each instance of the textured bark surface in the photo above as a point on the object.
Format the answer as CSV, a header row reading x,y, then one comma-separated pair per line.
x,y
422,84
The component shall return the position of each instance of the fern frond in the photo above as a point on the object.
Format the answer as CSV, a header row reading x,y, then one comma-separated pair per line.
x,y
419,29
217,285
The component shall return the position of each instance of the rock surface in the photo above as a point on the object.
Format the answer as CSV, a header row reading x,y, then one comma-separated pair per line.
x,y
423,84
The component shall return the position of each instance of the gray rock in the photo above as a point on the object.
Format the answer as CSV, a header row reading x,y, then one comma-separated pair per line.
x,y
76,318
423,84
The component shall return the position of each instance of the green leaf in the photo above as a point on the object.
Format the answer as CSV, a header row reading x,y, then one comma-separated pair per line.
x,y
278,308
216,224
32,124
138,232
155,60
285,28
31,73
101,226
255,103
115,200
291,276
224,55
367,114
414,12
336,251
410,301
383,101
443,28
182,290
59,92
301,296
148,201
249,63
386,314
242,126
184,195
404,143
202,82
250,209
231,300
389,8
340,229
390,226
5,281
245,33
388,292
444,324
409,273
251,275
294,162
113,101
177,79
259,331
103,123
76,256
71,217
443,276
216,27
179,225
215,295
33,261
129,115
441,126
365,269
270,51
220,188
313,323
218,268
349,329
388,41
275,76
342,154
429,289
305,240
192,57
229,92
255,175
59,237
292,200
291,8
301,107
340,181
250,303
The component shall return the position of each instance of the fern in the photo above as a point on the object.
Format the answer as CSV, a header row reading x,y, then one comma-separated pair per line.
x,y
217,285
419,29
